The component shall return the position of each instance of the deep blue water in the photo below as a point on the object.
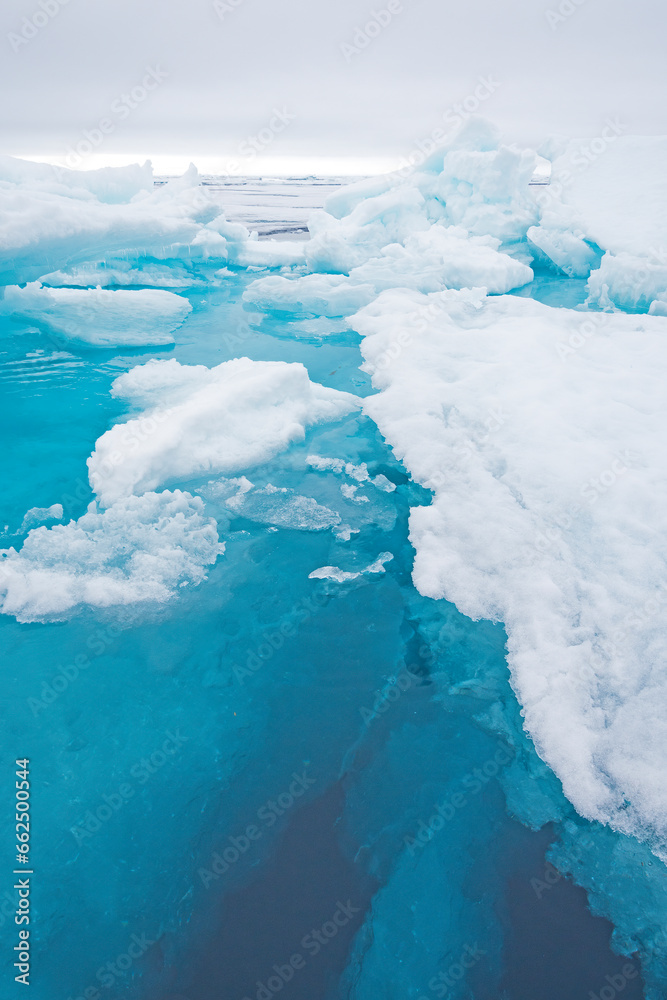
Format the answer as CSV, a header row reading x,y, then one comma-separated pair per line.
x,y
216,912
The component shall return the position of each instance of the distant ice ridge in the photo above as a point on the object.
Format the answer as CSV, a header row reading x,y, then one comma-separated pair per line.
x,y
54,219
199,420
456,223
139,549
99,316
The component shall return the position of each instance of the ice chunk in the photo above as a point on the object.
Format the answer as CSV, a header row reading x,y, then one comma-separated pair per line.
x,y
541,432
342,576
350,493
310,295
284,508
198,420
473,182
338,245
139,549
65,226
99,316
623,281
124,272
38,515
113,185
357,472
443,257
433,259
268,253
570,253
275,505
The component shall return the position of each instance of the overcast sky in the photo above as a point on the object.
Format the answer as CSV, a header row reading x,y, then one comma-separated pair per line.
x,y
351,78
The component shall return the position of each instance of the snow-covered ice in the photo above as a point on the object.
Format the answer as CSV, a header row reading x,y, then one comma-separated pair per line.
x,y
141,548
198,420
99,316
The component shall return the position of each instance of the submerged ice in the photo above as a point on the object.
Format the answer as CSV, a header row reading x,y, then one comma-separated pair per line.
x,y
492,500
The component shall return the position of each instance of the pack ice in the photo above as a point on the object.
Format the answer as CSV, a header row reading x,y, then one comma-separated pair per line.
x,y
539,428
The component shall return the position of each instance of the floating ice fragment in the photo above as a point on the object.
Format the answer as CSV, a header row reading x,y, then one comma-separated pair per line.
x,y
38,515
342,576
99,316
200,420
139,549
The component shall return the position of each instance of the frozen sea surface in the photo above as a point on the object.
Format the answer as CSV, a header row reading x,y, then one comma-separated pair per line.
x,y
272,206
275,768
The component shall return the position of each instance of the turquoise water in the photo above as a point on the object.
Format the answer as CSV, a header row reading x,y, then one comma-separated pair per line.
x,y
270,766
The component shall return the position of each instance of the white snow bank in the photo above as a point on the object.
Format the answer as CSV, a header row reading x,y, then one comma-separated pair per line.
x,y
635,284
99,316
200,420
267,253
140,549
541,432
